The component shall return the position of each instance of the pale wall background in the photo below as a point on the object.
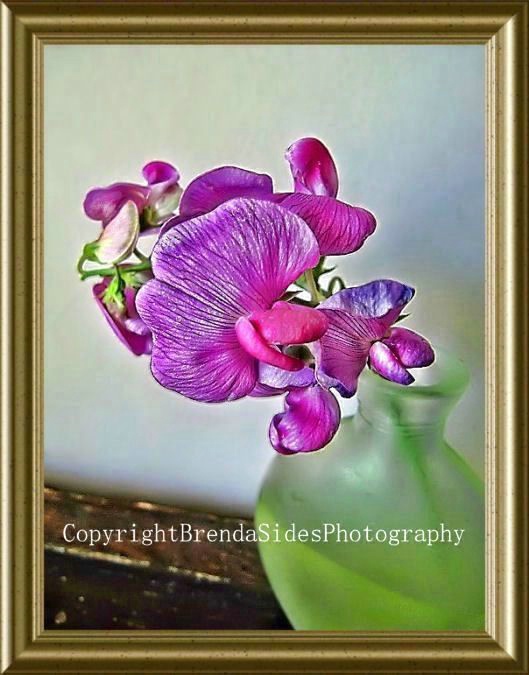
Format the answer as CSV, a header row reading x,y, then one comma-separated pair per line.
x,y
406,126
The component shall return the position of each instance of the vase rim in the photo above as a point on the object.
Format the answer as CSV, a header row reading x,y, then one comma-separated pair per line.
x,y
447,375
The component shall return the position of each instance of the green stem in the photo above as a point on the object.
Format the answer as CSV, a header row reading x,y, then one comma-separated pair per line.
x,y
140,255
315,294
110,271
80,264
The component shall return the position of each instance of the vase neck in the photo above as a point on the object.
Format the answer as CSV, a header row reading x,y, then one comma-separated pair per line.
x,y
418,410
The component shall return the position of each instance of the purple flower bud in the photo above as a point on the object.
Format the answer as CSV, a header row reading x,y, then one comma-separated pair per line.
x,y
123,318
312,168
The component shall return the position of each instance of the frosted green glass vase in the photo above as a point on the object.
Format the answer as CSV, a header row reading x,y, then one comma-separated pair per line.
x,y
388,469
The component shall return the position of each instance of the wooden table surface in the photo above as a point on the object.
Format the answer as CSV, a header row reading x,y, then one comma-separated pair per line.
x,y
184,586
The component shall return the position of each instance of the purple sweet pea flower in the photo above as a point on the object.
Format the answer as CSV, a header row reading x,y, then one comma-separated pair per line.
x,y
360,333
214,305
310,420
338,227
155,201
124,320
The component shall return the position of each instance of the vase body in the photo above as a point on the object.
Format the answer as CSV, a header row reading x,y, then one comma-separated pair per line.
x,y
389,468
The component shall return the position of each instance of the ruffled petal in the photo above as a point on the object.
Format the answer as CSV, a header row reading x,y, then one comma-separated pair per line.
x,y
312,168
310,420
103,204
339,227
217,186
384,362
274,381
126,324
412,350
210,271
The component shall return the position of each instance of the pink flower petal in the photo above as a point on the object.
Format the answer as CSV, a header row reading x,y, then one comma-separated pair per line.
x,y
312,168
254,344
289,324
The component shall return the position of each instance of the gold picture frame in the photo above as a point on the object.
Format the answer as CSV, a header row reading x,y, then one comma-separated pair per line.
x,y
26,28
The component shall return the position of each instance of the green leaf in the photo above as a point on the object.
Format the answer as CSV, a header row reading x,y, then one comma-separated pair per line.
x,y
113,294
90,252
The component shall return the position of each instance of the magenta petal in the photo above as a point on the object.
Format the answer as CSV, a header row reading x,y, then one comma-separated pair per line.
x,y
254,344
312,167
412,350
210,271
126,324
219,185
274,381
103,204
160,172
310,420
289,324
384,362
338,227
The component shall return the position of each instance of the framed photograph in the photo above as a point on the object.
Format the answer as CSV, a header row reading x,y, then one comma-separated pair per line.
x,y
264,310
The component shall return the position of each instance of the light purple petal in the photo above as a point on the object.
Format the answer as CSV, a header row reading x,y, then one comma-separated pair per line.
x,y
103,204
210,271
219,185
310,420
383,362
339,227
312,168
383,298
126,324
274,381
412,350
119,237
